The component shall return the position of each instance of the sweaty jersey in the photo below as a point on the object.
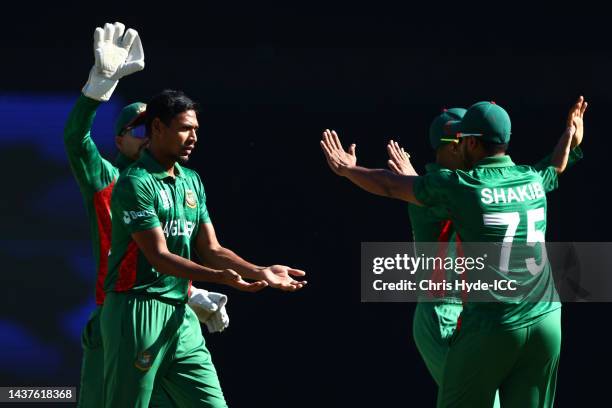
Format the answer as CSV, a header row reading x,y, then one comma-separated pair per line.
x,y
96,177
498,201
146,197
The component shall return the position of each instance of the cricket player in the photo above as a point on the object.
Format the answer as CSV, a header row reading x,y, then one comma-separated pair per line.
x,y
435,319
510,345
151,340
96,178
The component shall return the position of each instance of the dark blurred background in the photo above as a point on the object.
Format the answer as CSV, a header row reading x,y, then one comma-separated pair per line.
x,y
270,77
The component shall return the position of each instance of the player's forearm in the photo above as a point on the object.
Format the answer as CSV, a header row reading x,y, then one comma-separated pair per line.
x,y
383,183
562,150
223,258
172,264
575,155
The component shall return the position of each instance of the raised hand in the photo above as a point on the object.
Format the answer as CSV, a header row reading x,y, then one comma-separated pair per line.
x,y
337,158
399,160
117,53
575,119
280,277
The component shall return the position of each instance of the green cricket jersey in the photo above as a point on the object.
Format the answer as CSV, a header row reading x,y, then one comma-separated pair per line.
x,y
145,197
499,201
432,224
96,178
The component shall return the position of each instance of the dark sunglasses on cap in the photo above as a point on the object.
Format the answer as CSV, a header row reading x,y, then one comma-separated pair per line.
x,y
138,132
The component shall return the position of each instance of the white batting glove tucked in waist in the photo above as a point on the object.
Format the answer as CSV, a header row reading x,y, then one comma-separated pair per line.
x,y
210,309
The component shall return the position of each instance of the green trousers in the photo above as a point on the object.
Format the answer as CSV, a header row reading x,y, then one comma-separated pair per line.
x,y
521,363
92,367
433,326
154,353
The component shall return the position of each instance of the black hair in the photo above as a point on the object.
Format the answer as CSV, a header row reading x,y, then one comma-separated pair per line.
x,y
166,105
491,149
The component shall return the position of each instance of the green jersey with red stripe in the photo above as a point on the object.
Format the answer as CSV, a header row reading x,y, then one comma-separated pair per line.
x,y
432,224
146,197
498,201
96,178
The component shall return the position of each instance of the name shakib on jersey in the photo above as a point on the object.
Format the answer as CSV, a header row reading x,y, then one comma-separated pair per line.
x,y
532,191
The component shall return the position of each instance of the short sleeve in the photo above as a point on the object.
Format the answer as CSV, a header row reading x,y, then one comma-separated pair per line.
x,y
134,201
434,189
550,178
204,216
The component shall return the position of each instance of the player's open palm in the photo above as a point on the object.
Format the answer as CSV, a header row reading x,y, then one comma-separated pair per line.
x,y
231,278
337,158
118,53
576,119
281,277
399,160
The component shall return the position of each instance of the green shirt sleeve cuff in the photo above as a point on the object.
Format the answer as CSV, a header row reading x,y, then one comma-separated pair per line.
x,y
88,102
576,154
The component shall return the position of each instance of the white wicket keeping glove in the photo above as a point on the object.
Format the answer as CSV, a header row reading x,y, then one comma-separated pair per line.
x,y
116,55
220,319
210,309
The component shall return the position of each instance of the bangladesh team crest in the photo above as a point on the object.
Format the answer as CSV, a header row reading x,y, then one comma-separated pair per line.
x,y
144,361
190,199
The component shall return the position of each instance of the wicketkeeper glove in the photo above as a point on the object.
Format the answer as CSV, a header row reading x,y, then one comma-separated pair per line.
x,y
116,55
210,309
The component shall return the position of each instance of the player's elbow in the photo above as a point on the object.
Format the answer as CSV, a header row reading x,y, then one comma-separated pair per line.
x,y
560,169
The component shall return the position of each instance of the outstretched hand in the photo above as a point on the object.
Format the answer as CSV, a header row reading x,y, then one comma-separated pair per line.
x,y
231,278
117,52
338,159
281,277
575,119
399,160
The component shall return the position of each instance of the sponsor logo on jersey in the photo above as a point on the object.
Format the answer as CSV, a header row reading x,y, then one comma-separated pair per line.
x,y
166,202
509,195
144,361
190,199
133,215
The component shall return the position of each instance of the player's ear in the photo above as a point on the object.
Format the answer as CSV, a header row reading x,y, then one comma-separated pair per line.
x,y
156,127
118,141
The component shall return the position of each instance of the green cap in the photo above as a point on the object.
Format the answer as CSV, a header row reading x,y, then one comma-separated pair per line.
x,y
131,116
483,119
436,130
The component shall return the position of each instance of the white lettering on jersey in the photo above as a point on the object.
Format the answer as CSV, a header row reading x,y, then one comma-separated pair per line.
x,y
174,228
527,192
128,216
486,196
498,193
166,203
512,195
